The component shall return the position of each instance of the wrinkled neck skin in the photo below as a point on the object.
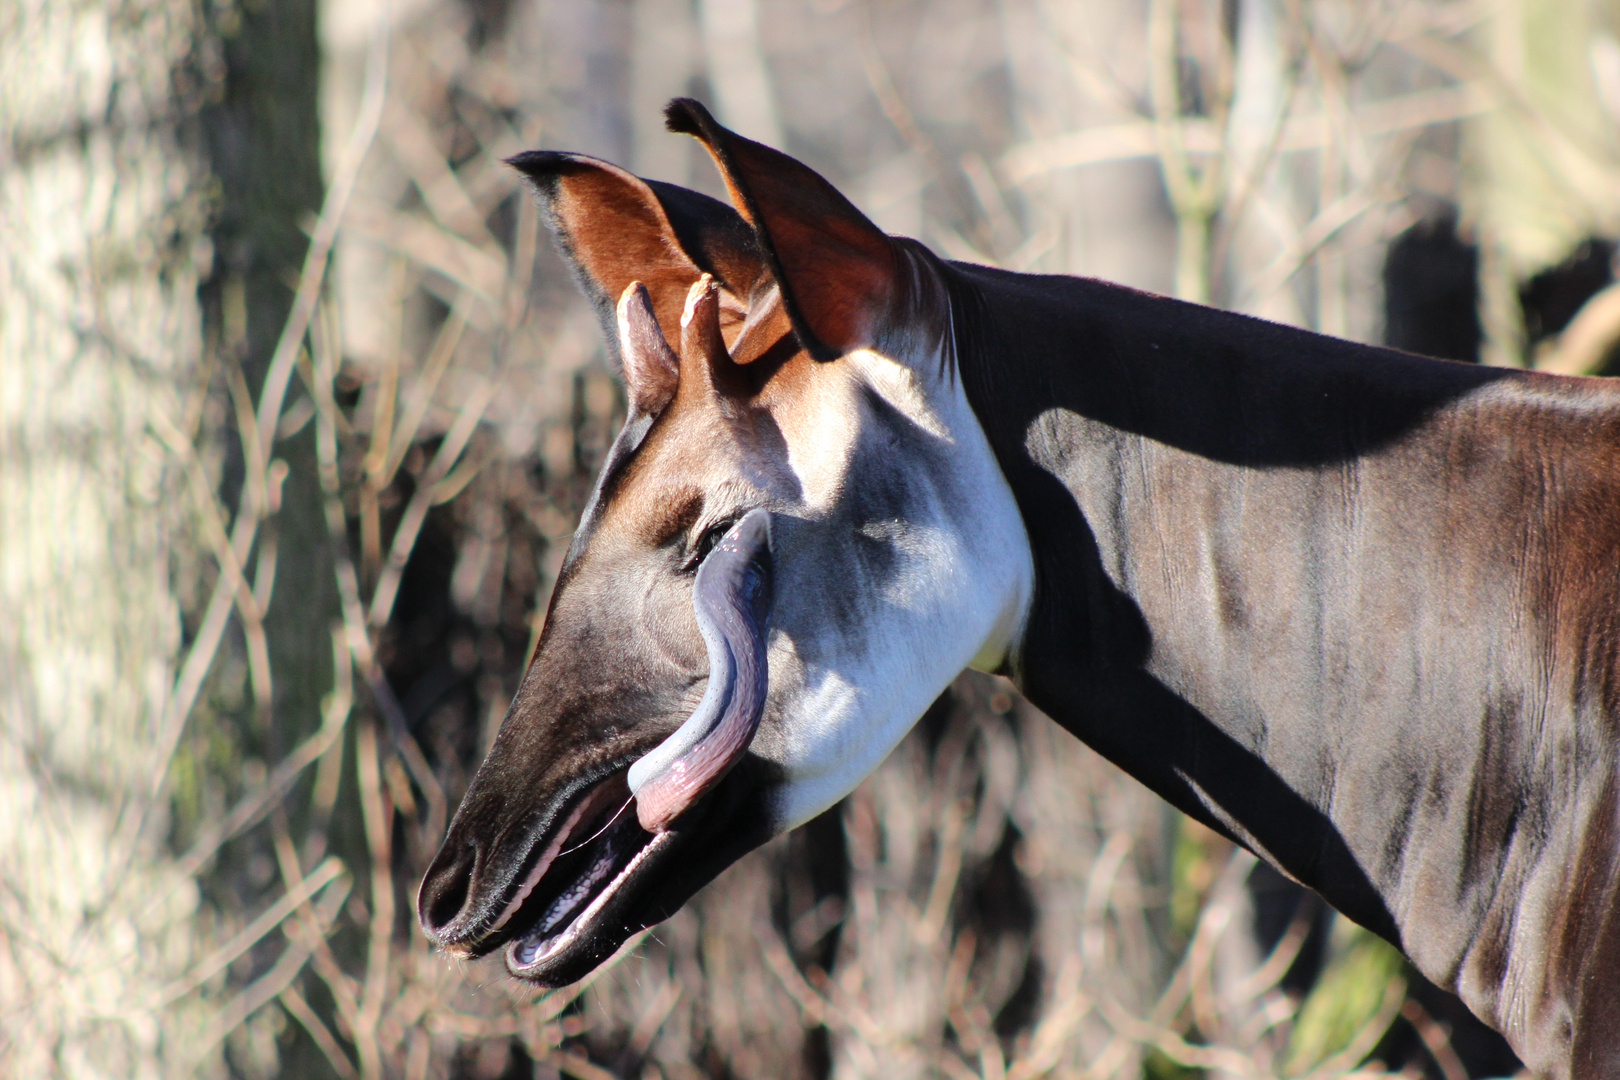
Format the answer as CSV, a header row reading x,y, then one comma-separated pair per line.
x,y
1355,609
939,579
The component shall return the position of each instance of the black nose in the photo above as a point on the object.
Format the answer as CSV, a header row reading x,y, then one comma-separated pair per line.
x,y
443,895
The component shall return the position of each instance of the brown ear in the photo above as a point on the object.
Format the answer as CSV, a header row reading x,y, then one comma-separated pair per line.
x,y
616,228
836,269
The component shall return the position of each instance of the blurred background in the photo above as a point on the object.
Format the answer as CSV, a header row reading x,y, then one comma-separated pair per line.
x,y
298,409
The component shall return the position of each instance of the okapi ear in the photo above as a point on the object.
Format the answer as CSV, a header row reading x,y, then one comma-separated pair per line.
x,y
835,268
616,228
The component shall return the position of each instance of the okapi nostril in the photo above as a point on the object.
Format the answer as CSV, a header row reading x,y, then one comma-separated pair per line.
x,y
444,894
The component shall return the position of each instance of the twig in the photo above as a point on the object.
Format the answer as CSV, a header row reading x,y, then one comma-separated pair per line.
x,y
329,768
1193,197
413,144
1133,139
325,233
201,655
1469,66
1362,1043
948,869
233,587
252,808
524,246
319,1033
356,635
652,1018
1327,224
1588,339
378,816
382,394
430,246
1436,1040
272,917
420,398
382,601
1170,1002
881,82
1063,1015
578,1067
269,985
1090,68
1174,1047
311,931
1282,956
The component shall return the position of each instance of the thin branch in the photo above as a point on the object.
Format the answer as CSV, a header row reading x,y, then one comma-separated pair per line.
x,y
272,917
1306,132
1327,224
1436,1040
420,397
311,930
200,657
893,105
382,601
1362,1043
431,246
1591,336
270,985
253,807
379,816
319,1033
325,234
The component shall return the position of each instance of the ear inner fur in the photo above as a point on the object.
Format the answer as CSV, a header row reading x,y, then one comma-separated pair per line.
x,y
835,268
766,324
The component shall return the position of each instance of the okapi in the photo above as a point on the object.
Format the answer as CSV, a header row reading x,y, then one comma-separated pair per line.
x,y
1355,609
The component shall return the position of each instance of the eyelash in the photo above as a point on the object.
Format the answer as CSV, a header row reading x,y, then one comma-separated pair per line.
x,y
707,540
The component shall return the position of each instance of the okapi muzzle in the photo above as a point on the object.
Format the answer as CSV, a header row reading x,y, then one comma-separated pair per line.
x,y
574,869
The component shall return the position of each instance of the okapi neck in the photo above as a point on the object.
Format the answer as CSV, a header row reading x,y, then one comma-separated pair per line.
x,y
1290,583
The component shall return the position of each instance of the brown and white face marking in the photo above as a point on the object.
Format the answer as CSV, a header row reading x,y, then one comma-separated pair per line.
x,y
799,538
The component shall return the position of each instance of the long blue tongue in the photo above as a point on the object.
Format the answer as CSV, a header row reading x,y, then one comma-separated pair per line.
x,y
732,601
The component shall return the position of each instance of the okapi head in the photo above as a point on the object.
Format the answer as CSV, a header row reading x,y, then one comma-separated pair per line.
x,y
799,537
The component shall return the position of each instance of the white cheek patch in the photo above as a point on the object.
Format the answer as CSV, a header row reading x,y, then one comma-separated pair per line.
x,y
848,713
899,385
819,451
957,595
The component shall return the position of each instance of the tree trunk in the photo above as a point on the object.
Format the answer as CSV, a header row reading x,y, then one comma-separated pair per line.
x,y
103,212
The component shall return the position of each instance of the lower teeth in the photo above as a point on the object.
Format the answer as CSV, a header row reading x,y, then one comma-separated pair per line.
x,y
565,904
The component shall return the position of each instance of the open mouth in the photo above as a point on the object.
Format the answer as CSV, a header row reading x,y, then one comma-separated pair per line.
x,y
579,909
579,877
593,877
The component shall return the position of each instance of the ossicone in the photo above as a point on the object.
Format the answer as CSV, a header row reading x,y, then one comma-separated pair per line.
x,y
651,369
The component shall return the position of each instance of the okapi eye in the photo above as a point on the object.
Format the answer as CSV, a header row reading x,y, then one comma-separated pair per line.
x,y
711,536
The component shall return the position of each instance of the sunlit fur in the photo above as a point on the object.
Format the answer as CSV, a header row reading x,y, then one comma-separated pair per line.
x,y
901,557
921,579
